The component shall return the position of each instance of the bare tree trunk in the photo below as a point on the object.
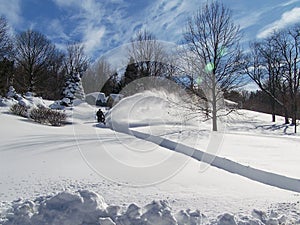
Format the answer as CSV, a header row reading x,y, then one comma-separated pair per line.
x,y
214,116
273,109
294,116
214,106
273,117
286,116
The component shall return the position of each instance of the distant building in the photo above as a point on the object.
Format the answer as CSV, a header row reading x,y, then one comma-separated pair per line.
x,y
113,99
96,98
231,105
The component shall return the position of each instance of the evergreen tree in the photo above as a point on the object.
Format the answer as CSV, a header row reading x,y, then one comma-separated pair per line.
x,y
73,89
76,63
6,73
131,73
112,85
6,53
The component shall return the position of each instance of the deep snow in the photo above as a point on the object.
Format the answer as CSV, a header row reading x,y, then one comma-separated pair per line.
x,y
38,160
86,207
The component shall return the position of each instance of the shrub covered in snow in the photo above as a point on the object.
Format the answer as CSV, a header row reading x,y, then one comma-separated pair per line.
x,y
19,110
28,100
57,105
38,111
48,116
7,102
12,93
32,101
34,108
56,118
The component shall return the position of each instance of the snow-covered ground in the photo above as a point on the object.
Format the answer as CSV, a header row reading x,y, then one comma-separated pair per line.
x,y
37,161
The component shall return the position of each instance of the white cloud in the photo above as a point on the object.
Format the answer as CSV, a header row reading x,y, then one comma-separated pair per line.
x,y
287,18
87,16
247,19
65,3
98,21
11,10
92,11
167,18
289,2
56,30
92,38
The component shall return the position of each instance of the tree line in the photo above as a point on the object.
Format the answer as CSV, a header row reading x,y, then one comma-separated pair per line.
x,y
214,65
210,64
274,65
30,62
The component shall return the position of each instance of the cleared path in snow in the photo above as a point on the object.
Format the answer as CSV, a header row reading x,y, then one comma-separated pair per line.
x,y
258,175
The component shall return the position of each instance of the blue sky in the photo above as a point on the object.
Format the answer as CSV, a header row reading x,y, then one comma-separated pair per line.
x,y
103,25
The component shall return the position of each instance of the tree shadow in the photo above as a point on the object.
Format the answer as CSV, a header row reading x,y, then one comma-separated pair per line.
x,y
275,127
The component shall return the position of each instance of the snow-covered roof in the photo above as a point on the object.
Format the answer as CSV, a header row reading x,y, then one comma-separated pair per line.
x,y
116,97
93,97
232,103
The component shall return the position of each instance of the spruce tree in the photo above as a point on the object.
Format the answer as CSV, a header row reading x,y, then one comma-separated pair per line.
x,y
73,89
131,73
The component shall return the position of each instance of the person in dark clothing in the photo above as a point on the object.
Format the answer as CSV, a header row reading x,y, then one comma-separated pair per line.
x,y
100,116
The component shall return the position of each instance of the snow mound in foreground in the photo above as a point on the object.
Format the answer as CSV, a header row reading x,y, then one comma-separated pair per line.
x,y
86,207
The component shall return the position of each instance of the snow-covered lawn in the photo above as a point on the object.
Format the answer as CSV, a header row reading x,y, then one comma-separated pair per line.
x,y
38,160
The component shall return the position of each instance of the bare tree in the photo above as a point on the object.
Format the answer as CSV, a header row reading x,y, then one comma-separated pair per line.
x,y
54,79
97,75
76,63
264,66
148,54
6,52
34,53
76,60
272,62
214,52
273,65
6,46
288,43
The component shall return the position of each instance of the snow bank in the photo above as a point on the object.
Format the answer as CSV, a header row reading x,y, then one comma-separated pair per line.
x,y
86,207
64,208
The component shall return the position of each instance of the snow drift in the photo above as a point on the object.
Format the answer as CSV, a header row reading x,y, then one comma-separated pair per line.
x,y
86,207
